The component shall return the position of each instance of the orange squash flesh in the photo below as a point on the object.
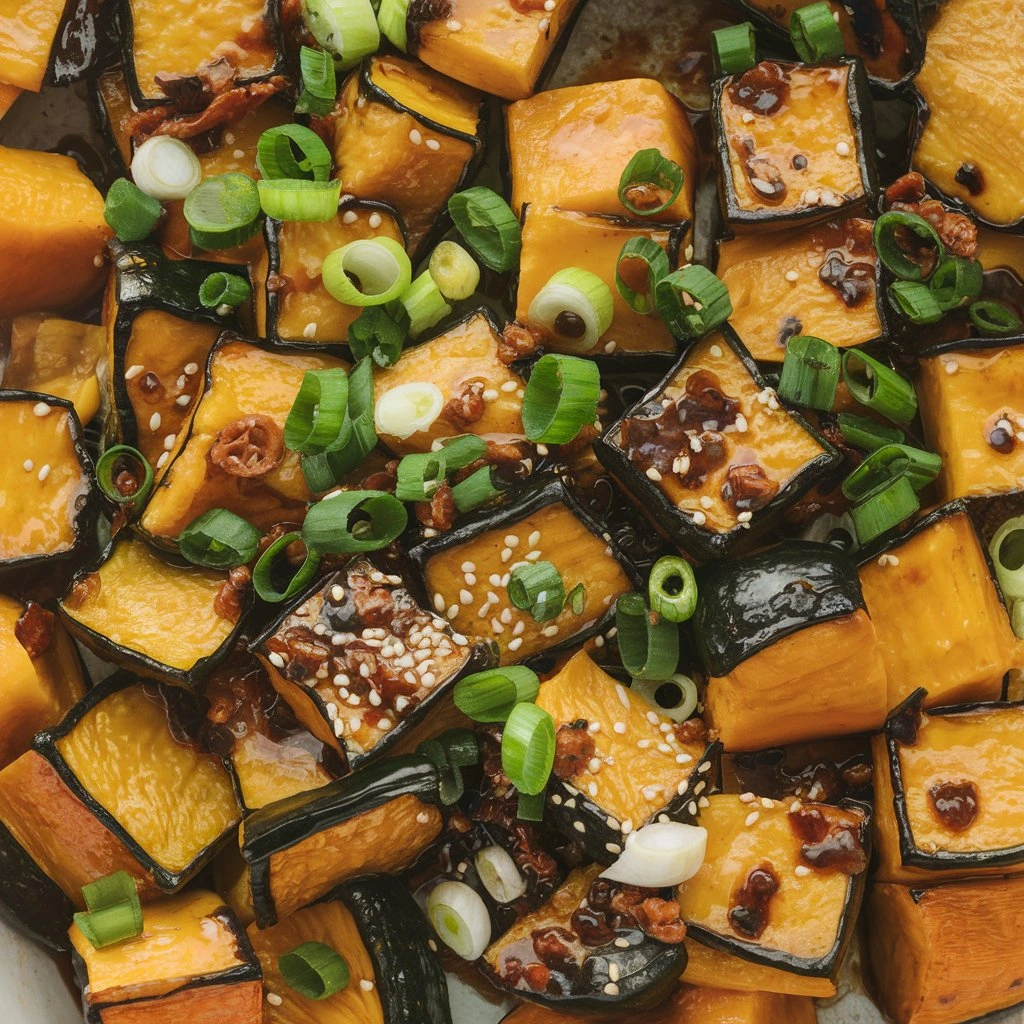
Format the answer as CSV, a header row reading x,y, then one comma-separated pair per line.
x,y
27,33
707,966
8,94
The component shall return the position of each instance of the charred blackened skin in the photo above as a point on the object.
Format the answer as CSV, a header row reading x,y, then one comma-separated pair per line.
x,y
828,844
970,176
749,914
955,804
421,13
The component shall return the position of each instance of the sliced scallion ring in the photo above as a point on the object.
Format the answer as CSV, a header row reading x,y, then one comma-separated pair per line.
x,y
956,282
295,199
815,33
219,539
129,212
577,599
641,265
864,433
460,918
672,588
392,17
450,753
490,696
486,223
561,398
886,464
994,318
481,487
650,183
276,156
575,307
885,509
454,271
124,476
317,415
408,408
379,332
352,521
537,588
734,49
424,304
223,289
319,82
268,571
648,644
810,373
879,388
675,697
499,874
367,272
889,231
692,301
530,807
114,911
346,28
528,747
1007,551
419,476
223,211
915,301
314,970
660,855
460,451
166,168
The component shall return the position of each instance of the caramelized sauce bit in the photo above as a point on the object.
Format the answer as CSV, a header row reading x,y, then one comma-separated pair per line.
x,y
748,915
574,747
633,271
34,629
704,405
955,804
852,282
827,844
748,488
969,175
763,89
765,178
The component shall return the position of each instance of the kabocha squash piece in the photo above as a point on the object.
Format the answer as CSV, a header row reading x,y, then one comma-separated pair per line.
x,y
968,144
361,616
52,241
42,674
406,136
8,94
491,45
57,357
946,954
948,783
834,294
553,237
165,43
48,42
243,380
299,849
947,631
788,646
710,453
794,142
175,622
292,303
564,955
192,962
380,932
707,966
887,35
46,491
644,772
158,338
464,363
541,522
964,391
569,147
781,883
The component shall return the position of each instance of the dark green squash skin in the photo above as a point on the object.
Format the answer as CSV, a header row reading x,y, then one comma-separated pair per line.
x,y
481,656
679,526
901,730
408,976
281,825
858,98
77,41
45,745
111,651
128,51
752,603
86,514
247,970
567,805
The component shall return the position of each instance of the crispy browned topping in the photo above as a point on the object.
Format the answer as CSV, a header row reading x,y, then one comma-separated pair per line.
x,y
83,590
249,447
34,629
574,747
228,602
438,513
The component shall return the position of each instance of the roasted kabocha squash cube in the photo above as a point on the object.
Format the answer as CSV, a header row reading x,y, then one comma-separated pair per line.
x,y
707,965
946,954
968,143
406,136
374,924
965,392
780,885
788,646
53,239
793,142
245,399
569,147
479,392
710,452
489,44
171,621
948,783
71,812
192,962
42,674
820,279
630,765
297,850
565,955
360,662
292,303
46,490
946,631
466,570
595,243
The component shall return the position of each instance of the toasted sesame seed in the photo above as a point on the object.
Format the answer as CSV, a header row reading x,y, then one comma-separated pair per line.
x,y
276,660
453,610
274,999
653,474
133,371
801,871
506,554
556,799
627,826
415,136
751,818
41,409
183,400
154,422
716,351
515,644
792,275
439,602
44,472
611,989
366,985
619,727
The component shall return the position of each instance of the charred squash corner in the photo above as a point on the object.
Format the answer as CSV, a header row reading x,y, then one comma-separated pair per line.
x,y
794,142
192,961
788,646
710,452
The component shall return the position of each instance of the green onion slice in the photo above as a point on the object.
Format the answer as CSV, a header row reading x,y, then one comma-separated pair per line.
x,y
650,183
367,272
1007,551
477,489
491,695
528,747
129,212
692,301
450,753
408,408
424,304
419,476
994,318
223,289
530,807
276,154
295,199
392,17
352,521
318,414
346,28
884,509
879,388
488,226
379,332
462,450
537,588
810,373
114,910
648,643
734,49
675,697
166,168
815,34
319,82
561,398
219,539
110,890
886,464
454,271
864,433
672,589
459,916
124,476
223,211
915,301
896,226
575,307
642,264
956,282
577,599
269,569
314,970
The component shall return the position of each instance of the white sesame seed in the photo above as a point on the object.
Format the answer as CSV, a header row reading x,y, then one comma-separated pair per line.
x,y
752,818
97,261
453,610
613,971
627,826
133,371
801,871
950,366
191,368
154,422
162,461
699,518
28,465
509,385
744,517
543,25
511,541
415,136
374,220
556,799
542,449
741,423
748,117
453,26
550,631
792,275
41,409
706,502
183,400
44,472
518,628
619,727
349,217
506,554
653,474
611,989
439,602
683,758
274,999
366,985
532,556
794,807
767,803
579,826
169,441
465,597
843,148
433,144
747,798
514,645
276,660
